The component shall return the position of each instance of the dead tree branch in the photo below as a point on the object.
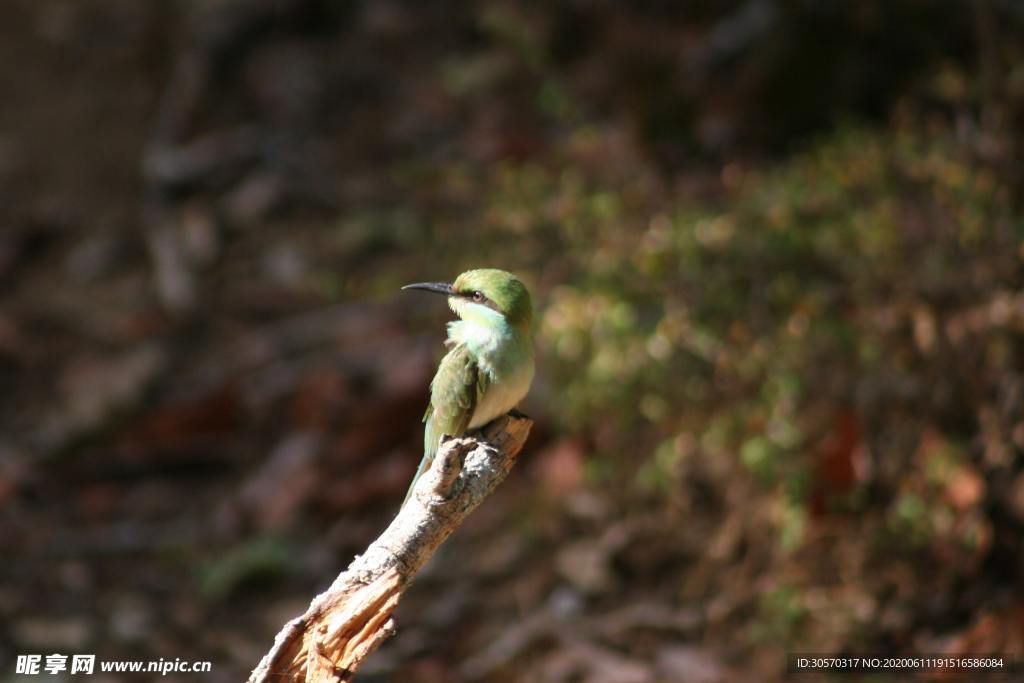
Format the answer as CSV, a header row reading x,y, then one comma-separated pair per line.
x,y
353,617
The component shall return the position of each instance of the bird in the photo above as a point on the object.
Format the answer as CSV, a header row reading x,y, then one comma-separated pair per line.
x,y
489,365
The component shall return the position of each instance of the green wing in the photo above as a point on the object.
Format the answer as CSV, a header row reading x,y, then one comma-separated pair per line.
x,y
455,392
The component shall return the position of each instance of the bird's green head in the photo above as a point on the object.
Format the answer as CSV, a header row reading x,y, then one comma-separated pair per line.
x,y
479,294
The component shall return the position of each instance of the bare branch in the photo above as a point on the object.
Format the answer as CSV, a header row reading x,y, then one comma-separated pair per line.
x,y
345,624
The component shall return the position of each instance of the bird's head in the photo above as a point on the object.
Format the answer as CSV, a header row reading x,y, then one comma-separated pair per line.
x,y
479,295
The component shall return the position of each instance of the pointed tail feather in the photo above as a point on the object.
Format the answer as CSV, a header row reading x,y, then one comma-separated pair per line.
x,y
424,464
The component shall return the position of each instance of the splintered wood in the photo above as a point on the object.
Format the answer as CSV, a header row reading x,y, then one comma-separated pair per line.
x,y
345,624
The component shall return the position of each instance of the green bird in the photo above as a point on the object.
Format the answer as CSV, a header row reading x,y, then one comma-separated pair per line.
x,y
489,365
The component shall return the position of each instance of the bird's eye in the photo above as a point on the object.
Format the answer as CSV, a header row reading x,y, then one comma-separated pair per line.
x,y
478,296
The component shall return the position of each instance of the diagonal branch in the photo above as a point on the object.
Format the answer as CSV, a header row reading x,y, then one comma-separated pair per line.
x,y
345,624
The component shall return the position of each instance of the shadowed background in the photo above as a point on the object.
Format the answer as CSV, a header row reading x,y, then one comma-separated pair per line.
x,y
777,254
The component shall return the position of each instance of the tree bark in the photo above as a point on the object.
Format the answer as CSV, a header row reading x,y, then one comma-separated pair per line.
x,y
346,623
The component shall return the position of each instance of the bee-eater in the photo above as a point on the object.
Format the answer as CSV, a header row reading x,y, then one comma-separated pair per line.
x,y
489,365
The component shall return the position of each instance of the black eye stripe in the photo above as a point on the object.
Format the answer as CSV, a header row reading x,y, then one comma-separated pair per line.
x,y
477,296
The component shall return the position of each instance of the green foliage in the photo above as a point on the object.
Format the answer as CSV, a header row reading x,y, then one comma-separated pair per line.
x,y
781,613
804,327
259,561
737,327
790,282
738,324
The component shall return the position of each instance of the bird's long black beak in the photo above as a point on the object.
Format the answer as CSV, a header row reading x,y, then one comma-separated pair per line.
x,y
437,287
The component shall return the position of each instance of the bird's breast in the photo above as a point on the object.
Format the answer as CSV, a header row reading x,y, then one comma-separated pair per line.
x,y
505,356
503,393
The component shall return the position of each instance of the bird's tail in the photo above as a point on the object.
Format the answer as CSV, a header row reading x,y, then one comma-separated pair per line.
x,y
431,442
424,464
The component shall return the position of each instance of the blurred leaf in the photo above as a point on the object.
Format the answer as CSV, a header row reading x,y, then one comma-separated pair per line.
x,y
259,562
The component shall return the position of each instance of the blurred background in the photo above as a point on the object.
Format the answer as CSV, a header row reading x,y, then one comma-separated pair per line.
x,y
777,253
